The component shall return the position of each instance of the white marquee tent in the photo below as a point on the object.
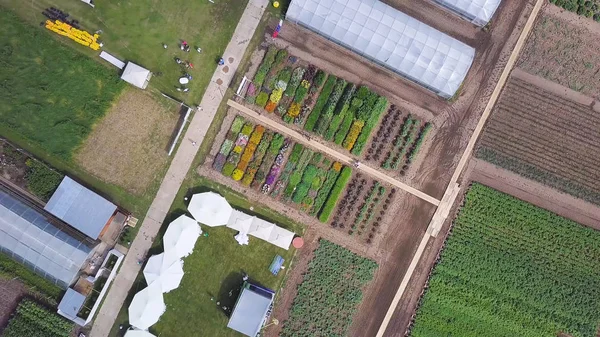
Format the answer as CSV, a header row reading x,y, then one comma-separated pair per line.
x,y
181,236
261,229
390,38
166,269
138,333
210,209
136,75
146,307
480,12
281,237
240,221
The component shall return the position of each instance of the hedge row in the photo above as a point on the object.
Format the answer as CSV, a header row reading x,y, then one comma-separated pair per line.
x,y
327,112
340,112
325,189
378,108
312,119
264,67
335,194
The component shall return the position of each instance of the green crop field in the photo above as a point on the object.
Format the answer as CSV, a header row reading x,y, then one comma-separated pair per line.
x,y
512,269
49,94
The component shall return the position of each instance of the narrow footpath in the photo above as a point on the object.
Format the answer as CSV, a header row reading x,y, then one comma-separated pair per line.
x,y
179,167
300,138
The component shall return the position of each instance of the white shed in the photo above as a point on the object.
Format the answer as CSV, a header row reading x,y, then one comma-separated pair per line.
x,y
136,75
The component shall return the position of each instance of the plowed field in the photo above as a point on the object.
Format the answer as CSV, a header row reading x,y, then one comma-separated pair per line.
x,y
546,138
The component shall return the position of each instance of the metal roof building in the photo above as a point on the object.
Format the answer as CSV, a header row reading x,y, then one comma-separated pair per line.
x,y
28,237
390,38
71,303
81,208
479,12
251,309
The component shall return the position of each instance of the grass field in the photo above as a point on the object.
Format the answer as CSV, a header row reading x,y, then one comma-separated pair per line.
x,y
49,94
136,30
512,269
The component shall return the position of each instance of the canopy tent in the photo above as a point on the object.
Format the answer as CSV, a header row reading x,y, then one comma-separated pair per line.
x,y
480,12
136,75
181,236
261,229
242,238
281,237
146,307
166,269
251,309
240,221
138,333
210,208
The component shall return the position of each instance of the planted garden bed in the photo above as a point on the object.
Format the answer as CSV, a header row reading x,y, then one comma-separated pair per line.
x,y
268,162
32,319
318,102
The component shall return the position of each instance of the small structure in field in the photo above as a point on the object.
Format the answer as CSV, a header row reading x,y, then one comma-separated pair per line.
x,y
251,309
136,75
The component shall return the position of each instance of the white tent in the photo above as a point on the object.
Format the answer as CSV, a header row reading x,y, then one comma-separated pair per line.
x,y
210,209
181,236
138,333
242,238
146,307
261,229
136,75
281,237
240,221
166,269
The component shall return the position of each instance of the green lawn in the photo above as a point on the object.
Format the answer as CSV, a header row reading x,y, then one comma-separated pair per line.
x,y
135,31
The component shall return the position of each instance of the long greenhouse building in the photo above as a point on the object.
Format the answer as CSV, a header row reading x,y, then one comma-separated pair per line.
x,y
389,38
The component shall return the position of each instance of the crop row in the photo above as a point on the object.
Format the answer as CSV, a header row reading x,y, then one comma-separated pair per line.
x,y
510,268
259,158
321,103
330,293
31,319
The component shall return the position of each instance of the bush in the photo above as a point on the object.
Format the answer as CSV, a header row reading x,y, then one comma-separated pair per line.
x,y
228,169
264,67
301,93
319,79
237,174
355,130
261,99
309,174
41,180
237,124
364,112
312,119
336,191
323,193
378,109
282,55
328,109
294,81
276,144
344,128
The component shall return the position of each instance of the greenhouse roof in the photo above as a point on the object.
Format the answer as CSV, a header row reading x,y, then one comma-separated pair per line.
x,y
28,237
390,38
479,12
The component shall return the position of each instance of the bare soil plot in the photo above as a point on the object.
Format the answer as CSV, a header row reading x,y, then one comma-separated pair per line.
x,y
11,292
129,146
564,48
545,137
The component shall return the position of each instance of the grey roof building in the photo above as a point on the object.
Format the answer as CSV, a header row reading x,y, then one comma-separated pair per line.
x,y
390,38
251,308
29,237
81,208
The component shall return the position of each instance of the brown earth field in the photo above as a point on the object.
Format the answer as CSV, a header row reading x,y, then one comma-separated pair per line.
x,y
547,135
454,122
564,48
129,146
11,292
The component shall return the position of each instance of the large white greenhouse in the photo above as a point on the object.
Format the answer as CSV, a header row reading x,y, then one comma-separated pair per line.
x,y
390,38
479,12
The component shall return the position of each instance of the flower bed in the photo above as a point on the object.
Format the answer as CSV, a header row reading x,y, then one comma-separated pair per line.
x,y
336,191
235,154
259,154
375,113
296,176
311,121
289,167
328,109
248,153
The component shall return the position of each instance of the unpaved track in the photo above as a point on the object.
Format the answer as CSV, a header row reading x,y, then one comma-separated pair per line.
x,y
310,142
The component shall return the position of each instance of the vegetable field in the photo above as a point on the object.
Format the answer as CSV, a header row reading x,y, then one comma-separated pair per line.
x,y
268,162
31,319
587,8
512,269
320,103
330,293
545,138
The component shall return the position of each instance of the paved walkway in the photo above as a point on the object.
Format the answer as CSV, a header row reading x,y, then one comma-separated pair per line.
x,y
179,167
300,138
452,189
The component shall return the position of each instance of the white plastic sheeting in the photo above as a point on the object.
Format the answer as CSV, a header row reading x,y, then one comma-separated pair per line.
x,y
138,333
210,209
479,12
181,236
390,38
165,269
146,307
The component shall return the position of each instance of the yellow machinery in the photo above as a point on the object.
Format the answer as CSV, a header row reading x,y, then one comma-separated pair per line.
x,y
77,35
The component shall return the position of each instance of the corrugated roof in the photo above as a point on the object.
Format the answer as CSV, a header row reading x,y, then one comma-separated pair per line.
x,y
249,312
71,303
28,237
480,12
390,38
81,208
